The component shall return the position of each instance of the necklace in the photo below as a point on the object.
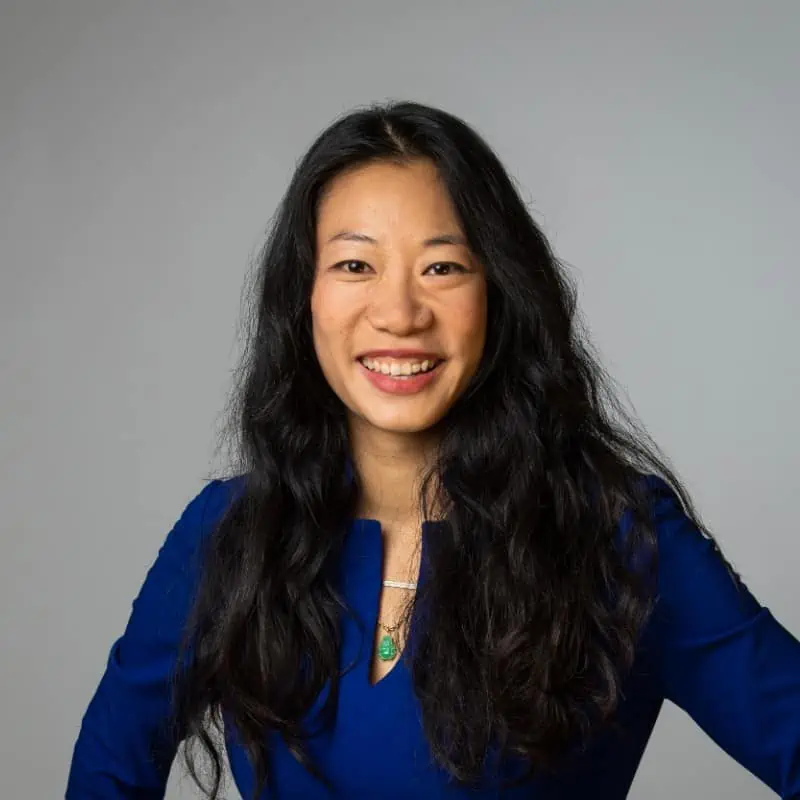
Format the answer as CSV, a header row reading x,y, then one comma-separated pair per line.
x,y
400,584
387,646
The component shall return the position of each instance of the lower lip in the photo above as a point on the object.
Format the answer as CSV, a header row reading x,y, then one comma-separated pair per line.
x,y
394,385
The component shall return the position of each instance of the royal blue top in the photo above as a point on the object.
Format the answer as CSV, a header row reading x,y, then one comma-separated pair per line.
x,y
711,649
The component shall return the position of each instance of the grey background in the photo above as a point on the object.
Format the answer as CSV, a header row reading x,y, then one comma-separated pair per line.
x,y
143,147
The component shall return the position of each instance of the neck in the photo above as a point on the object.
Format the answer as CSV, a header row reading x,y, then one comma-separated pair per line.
x,y
390,467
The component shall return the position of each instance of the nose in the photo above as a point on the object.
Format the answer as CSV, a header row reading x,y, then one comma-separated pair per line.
x,y
397,306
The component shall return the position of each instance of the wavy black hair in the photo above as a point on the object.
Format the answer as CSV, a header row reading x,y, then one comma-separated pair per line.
x,y
532,612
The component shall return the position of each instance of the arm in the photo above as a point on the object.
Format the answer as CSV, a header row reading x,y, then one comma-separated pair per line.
x,y
124,749
721,656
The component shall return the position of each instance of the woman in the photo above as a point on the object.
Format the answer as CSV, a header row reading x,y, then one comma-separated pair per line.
x,y
444,566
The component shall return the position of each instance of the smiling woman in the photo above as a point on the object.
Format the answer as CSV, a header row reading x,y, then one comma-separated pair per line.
x,y
401,274
448,562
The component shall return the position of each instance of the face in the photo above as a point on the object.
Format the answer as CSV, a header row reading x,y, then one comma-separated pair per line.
x,y
399,300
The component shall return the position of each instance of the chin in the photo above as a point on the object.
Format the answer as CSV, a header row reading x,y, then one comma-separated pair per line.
x,y
402,423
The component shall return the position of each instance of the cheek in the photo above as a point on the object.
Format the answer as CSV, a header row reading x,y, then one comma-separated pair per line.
x,y
322,342
471,317
329,324
321,321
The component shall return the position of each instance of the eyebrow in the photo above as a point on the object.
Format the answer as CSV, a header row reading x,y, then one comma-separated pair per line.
x,y
434,241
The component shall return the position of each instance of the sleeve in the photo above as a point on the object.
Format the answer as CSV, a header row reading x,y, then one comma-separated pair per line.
x,y
124,750
721,656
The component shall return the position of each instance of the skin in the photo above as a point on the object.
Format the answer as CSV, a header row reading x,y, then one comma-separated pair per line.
x,y
396,291
400,295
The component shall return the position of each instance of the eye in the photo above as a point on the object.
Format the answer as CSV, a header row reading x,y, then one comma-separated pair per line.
x,y
351,267
446,268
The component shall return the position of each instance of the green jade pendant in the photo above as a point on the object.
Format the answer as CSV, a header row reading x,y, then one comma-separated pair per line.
x,y
387,649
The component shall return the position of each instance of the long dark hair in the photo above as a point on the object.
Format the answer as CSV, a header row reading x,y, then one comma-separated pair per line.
x,y
532,615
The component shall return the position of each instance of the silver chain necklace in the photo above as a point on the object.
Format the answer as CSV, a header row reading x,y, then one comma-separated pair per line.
x,y
399,584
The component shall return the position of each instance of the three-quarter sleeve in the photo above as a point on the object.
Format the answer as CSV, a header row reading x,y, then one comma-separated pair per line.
x,y
721,655
125,749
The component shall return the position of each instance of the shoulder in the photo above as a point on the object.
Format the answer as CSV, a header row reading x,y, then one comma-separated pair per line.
x,y
173,575
699,594
673,525
197,521
206,508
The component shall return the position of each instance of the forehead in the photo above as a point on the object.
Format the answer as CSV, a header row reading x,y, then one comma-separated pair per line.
x,y
386,196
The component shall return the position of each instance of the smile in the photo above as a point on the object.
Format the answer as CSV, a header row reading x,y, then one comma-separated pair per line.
x,y
400,377
399,368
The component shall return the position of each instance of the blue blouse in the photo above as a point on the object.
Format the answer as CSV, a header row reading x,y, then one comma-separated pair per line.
x,y
714,651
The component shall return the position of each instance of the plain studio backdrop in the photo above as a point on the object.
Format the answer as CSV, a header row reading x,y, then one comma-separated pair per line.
x,y
143,148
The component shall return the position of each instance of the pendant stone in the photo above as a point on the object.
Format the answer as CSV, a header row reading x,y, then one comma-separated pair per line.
x,y
387,649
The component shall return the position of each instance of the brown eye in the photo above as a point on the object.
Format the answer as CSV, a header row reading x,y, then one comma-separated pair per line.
x,y
446,268
351,267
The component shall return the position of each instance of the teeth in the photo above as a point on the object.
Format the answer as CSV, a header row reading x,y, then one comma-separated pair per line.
x,y
397,368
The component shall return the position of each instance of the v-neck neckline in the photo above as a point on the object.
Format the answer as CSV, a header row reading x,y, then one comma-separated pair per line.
x,y
372,532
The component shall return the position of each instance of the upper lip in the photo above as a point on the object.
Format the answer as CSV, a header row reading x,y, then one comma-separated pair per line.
x,y
420,355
